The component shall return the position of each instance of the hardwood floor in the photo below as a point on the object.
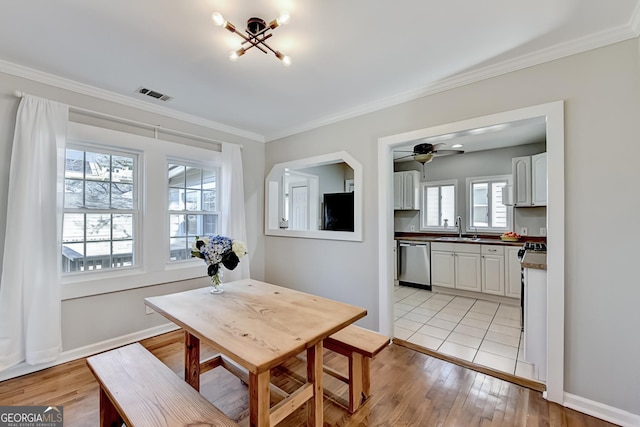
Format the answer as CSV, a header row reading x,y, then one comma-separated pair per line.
x,y
408,389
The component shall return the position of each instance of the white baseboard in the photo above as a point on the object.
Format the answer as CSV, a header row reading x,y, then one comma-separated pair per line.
x,y
602,411
77,353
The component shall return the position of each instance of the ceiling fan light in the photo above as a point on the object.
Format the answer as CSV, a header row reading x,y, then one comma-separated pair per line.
x,y
218,19
423,158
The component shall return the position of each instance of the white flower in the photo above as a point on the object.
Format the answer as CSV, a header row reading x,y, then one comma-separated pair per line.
x,y
239,248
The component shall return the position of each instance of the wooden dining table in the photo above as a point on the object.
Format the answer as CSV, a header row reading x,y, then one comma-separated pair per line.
x,y
259,326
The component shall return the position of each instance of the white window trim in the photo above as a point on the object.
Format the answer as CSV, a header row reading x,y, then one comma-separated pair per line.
x,y
152,267
469,204
451,228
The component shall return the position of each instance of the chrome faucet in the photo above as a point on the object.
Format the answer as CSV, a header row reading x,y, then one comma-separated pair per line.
x,y
459,225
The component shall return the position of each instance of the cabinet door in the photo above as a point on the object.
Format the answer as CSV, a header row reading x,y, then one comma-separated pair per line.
x,y
442,269
411,190
467,272
493,274
539,179
398,190
522,181
512,273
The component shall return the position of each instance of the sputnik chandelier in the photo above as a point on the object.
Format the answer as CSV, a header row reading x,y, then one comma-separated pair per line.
x,y
257,33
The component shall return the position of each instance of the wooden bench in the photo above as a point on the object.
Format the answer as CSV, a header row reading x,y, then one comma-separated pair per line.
x,y
138,389
359,345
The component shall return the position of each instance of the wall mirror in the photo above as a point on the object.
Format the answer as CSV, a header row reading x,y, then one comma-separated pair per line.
x,y
316,197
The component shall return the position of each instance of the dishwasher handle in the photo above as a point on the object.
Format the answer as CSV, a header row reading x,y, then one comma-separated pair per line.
x,y
407,245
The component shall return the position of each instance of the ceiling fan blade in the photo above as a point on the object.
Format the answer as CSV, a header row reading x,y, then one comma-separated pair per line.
x,y
441,153
404,157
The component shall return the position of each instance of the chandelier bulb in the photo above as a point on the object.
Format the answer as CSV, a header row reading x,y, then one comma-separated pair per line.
x,y
218,19
283,18
286,61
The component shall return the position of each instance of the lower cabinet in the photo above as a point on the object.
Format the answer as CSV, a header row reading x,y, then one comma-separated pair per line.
x,y
493,270
456,265
489,269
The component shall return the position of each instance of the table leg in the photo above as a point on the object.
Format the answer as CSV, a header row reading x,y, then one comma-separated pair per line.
x,y
192,360
259,399
314,376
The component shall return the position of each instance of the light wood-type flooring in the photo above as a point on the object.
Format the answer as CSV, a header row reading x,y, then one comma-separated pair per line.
x,y
408,389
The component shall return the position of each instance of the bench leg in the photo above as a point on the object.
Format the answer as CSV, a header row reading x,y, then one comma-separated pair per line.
x,y
366,377
355,381
109,416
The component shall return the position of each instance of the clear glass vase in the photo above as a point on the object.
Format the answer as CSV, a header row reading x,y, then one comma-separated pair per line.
x,y
216,283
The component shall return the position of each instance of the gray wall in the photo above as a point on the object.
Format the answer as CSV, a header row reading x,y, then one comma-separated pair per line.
x,y
601,90
460,167
90,320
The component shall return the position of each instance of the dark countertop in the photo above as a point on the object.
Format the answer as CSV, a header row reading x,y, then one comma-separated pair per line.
x,y
483,239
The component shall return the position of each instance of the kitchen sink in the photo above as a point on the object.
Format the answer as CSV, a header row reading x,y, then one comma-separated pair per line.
x,y
459,239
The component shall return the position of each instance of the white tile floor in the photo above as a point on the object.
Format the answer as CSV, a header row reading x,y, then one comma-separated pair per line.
x,y
482,332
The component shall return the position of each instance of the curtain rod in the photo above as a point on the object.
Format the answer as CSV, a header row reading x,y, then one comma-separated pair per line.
x,y
155,128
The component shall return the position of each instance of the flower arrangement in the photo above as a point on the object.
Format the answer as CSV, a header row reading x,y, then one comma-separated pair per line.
x,y
216,250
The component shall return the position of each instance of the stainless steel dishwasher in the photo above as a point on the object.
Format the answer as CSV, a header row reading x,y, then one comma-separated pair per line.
x,y
414,264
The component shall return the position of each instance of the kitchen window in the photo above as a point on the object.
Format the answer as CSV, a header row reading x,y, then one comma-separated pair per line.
x,y
438,210
485,209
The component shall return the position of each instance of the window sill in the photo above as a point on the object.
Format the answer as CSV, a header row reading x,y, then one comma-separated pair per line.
x,y
131,279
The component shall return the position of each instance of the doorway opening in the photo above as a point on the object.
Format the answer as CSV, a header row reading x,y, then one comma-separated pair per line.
x,y
553,116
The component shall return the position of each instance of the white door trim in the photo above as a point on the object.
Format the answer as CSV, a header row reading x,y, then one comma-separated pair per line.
x,y
554,114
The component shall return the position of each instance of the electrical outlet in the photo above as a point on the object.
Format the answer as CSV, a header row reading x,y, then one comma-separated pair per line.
x,y
412,228
148,310
524,231
543,231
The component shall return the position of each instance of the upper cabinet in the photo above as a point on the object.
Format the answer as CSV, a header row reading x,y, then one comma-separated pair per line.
x,y
530,180
539,180
406,190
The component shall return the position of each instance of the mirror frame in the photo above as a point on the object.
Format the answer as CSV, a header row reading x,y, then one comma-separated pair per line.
x,y
341,156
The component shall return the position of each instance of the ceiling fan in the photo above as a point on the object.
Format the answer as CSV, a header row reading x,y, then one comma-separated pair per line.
x,y
425,152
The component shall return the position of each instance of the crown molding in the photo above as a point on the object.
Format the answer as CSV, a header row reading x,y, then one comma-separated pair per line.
x,y
84,89
583,44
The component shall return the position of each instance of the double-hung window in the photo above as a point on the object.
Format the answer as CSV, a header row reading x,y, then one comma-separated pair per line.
x,y
100,209
485,209
193,206
132,208
438,211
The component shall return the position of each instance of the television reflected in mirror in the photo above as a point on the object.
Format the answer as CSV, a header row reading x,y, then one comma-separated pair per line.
x,y
317,197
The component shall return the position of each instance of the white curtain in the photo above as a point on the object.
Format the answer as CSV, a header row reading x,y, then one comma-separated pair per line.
x,y
233,217
30,307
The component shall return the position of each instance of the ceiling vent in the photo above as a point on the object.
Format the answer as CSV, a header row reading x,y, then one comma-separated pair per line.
x,y
154,94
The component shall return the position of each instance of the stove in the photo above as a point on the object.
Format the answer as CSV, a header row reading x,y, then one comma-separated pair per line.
x,y
531,247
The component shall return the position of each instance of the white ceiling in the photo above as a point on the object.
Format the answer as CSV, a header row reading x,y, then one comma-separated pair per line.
x,y
348,57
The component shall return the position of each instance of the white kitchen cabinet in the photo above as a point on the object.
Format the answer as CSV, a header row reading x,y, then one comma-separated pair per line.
x,y
539,180
492,269
530,180
512,272
456,265
521,181
443,268
406,190
535,321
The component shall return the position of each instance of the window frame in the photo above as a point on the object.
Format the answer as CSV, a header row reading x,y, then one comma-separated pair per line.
x,y
137,196
152,265
469,227
200,165
423,208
